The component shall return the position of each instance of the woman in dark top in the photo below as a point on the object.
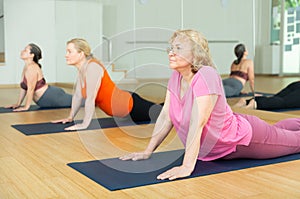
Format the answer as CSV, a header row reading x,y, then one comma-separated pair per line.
x,y
242,70
289,97
34,86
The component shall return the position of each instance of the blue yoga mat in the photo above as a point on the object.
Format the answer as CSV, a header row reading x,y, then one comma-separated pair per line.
x,y
48,127
32,108
251,94
285,110
115,174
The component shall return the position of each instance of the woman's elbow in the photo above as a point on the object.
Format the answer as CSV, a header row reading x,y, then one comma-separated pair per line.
x,y
204,120
199,123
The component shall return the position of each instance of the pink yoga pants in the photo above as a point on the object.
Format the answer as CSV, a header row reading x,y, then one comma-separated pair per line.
x,y
270,141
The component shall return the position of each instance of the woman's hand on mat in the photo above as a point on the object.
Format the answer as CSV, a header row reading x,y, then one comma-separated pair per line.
x,y
23,108
64,121
13,106
76,127
175,172
136,156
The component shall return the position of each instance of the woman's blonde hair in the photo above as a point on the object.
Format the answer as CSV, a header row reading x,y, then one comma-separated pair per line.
x,y
81,45
200,49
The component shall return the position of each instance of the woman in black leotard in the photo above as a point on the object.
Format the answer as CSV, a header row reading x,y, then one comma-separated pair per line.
x,y
289,97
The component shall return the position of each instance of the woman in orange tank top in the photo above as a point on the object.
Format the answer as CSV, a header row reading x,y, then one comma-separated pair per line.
x,y
95,86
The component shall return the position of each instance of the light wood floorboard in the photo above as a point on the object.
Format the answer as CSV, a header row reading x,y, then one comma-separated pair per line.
x,y
35,166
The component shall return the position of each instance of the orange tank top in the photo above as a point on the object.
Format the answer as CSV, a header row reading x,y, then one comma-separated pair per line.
x,y
112,100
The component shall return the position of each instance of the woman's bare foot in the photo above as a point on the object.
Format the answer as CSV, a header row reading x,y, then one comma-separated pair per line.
x,y
258,94
251,104
240,103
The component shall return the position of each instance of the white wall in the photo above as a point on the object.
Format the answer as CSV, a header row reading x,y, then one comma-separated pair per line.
x,y
25,22
1,27
223,25
50,23
266,55
81,18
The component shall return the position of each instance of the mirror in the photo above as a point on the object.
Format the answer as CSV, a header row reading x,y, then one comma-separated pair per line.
x,y
127,33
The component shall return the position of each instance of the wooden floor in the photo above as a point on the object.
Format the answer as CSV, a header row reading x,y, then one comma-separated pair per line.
x,y
35,166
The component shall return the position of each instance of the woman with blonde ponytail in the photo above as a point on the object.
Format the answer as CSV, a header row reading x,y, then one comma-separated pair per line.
x,y
97,89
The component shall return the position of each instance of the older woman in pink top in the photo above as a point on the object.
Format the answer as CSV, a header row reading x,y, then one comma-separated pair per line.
x,y
196,106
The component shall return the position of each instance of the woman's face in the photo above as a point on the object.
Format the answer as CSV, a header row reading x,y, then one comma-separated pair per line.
x,y
26,53
246,53
180,54
73,57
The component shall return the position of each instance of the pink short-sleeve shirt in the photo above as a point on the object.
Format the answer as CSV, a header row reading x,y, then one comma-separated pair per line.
x,y
224,129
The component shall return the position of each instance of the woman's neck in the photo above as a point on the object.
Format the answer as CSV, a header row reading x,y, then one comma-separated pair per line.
x,y
81,65
29,62
187,76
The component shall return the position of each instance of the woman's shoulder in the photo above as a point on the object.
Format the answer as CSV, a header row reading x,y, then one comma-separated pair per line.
x,y
244,65
32,68
208,70
207,73
248,62
93,63
94,69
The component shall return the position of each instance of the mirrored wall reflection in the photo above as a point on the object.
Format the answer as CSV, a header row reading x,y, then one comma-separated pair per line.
x,y
136,34
139,53
125,21
286,34
132,35
76,18
291,40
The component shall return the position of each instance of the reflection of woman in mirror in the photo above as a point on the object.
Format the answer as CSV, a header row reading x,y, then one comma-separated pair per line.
x,y
289,97
241,71
34,86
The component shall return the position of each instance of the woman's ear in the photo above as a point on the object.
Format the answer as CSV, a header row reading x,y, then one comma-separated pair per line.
x,y
31,55
81,54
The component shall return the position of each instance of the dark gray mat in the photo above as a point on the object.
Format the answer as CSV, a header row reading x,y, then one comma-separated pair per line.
x,y
115,174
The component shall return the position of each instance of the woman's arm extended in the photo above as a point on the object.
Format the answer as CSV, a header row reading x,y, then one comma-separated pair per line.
x,y
93,79
22,95
76,104
162,128
201,112
251,75
32,78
